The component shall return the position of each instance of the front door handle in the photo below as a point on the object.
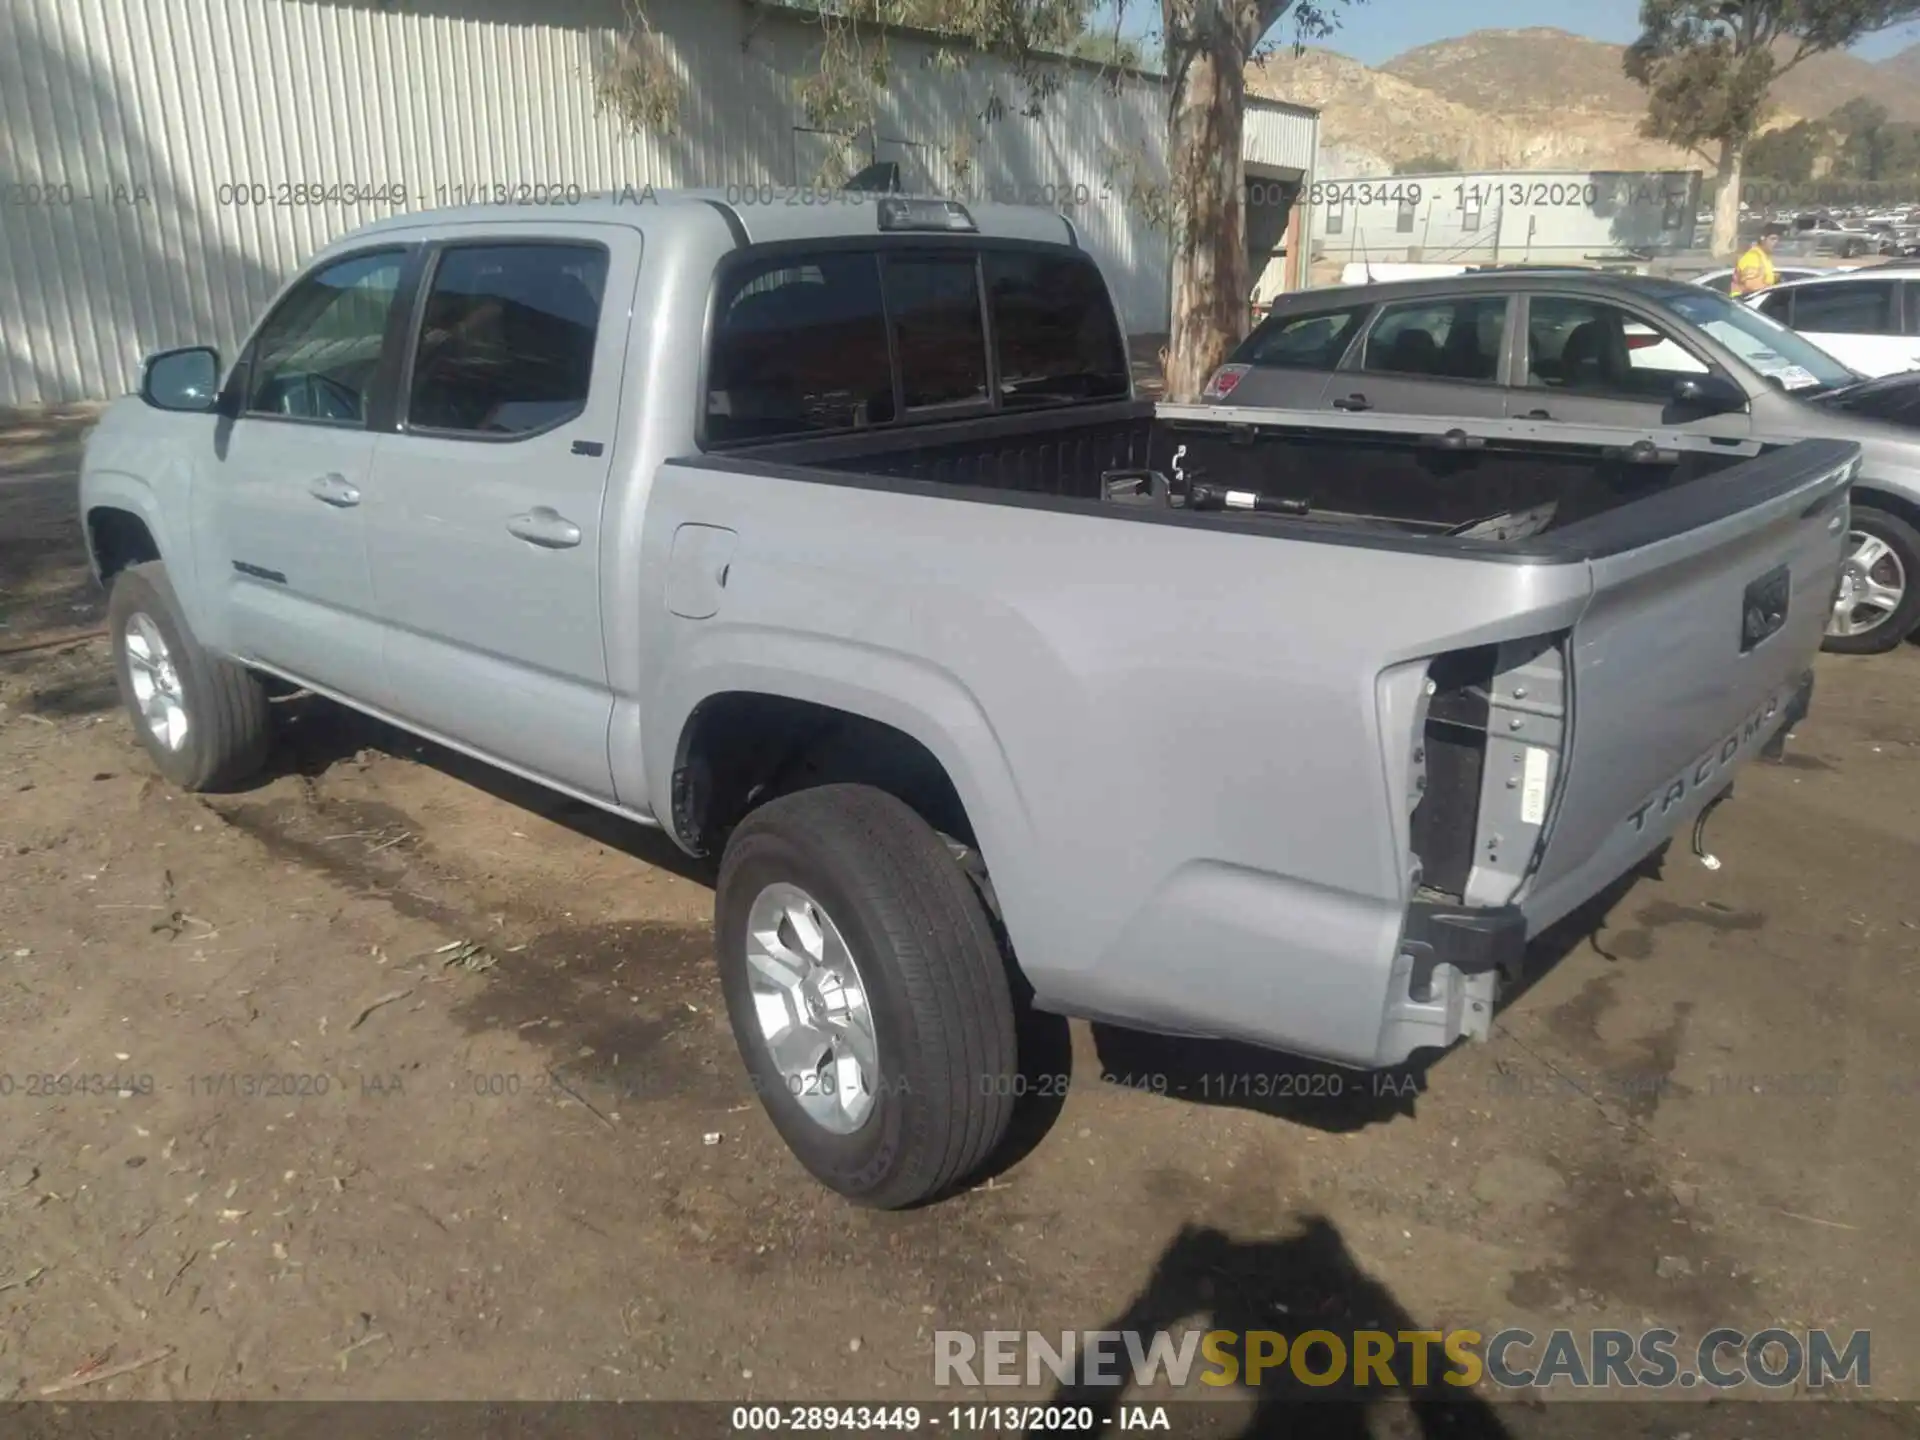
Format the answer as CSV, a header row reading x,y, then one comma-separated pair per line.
x,y
1353,402
334,490
545,527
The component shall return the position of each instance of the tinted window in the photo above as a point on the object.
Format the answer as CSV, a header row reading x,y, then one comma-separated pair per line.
x,y
800,343
1779,305
933,304
1447,339
315,357
506,346
1301,342
1594,348
1848,307
1053,329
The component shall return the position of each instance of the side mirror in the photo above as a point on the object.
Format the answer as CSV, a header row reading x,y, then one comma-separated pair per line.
x,y
186,379
1713,394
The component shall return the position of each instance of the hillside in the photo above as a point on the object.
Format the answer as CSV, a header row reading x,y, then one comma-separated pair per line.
x,y
1541,69
1905,67
1531,99
1372,120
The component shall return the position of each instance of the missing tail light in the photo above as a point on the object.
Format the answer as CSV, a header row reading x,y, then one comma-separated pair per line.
x,y
1491,752
1224,382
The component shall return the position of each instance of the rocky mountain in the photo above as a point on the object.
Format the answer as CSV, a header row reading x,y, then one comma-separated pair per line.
x,y
1530,99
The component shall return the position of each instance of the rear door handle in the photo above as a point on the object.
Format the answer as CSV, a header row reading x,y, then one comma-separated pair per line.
x,y
1353,402
545,527
334,490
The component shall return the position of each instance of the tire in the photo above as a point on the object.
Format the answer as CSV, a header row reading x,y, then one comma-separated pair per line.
x,y
934,983
1901,559
227,729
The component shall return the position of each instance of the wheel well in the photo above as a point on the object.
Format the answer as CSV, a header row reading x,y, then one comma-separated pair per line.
x,y
741,749
1865,494
119,538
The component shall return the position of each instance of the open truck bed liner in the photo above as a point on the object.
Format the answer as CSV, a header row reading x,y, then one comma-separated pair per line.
x,y
1397,482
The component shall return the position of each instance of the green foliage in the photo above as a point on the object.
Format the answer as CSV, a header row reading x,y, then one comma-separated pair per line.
x,y
1788,156
636,80
1428,162
1708,65
1874,147
1856,151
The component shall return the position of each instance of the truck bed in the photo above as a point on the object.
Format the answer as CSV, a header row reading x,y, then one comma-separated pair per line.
x,y
1326,772
1419,479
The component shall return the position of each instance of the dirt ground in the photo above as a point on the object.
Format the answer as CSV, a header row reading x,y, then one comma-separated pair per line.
x,y
258,1122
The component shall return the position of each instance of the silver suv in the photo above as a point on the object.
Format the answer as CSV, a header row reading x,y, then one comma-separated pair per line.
x,y
1586,348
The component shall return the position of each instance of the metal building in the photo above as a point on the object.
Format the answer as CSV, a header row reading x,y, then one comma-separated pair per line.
x,y
166,164
1504,217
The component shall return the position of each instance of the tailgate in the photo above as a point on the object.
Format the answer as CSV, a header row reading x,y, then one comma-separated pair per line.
x,y
1709,602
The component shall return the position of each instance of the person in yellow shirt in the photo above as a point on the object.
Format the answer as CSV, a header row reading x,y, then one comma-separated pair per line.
x,y
1754,271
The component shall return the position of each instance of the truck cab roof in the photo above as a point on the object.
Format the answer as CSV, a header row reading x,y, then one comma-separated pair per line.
x,y
756,215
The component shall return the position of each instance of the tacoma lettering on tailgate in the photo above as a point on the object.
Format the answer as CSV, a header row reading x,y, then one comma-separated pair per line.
x,y
1714,762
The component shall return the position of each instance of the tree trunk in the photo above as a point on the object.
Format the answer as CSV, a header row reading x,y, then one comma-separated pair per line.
x,y
1204,124
1726,199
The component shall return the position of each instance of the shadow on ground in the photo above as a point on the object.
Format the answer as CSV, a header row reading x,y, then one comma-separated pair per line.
x,y
313,735
1289,1288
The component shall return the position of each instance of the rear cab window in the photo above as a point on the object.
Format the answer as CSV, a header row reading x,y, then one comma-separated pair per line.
x,y
811,342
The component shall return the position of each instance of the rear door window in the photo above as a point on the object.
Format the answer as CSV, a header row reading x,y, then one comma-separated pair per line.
x,y
799,345
1439,339
1847,307
506,347
1302,342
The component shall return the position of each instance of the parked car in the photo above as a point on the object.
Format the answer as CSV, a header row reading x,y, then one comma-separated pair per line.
x,y
1867,319
1597,349
1722,279
1892,398
831,540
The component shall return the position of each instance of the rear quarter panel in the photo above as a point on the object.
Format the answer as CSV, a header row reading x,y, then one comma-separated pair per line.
x,y
1182,763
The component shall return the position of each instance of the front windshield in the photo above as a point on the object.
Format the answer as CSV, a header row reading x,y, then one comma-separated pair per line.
x,y
1764,343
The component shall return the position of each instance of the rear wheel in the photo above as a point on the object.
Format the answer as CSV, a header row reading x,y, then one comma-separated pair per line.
x,y
867,993
1879,600
204,720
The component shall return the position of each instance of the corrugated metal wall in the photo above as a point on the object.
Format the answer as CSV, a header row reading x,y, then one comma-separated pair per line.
x,y
149,148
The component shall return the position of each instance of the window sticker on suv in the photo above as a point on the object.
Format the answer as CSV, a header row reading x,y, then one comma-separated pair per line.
x,y
1791,377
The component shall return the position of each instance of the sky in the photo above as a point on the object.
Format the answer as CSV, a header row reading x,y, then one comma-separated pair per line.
x,y
1376,30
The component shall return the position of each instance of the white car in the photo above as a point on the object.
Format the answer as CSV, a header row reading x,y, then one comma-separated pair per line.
x,y
1866,319
1722,279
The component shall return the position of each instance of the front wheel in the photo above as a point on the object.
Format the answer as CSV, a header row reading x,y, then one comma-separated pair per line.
x,y
1878,604
867,993
204,720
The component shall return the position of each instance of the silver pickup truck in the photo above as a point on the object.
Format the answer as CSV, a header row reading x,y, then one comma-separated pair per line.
x,y
832,540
